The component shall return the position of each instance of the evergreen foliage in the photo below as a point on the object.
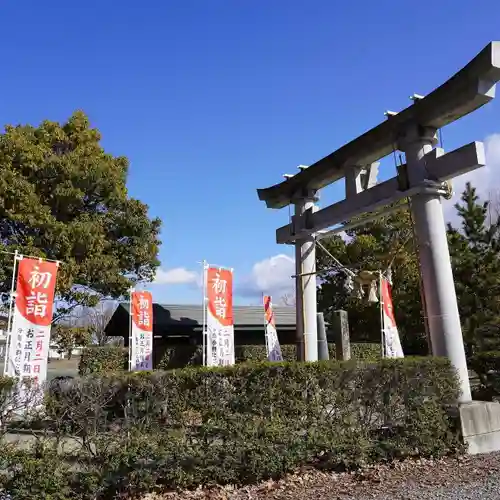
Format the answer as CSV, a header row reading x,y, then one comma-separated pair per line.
x,y
474,248
476,265
63,197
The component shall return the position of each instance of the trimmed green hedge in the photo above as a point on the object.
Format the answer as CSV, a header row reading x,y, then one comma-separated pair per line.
x,y
97,359
245,423
487,367
103,359
257,353
154,431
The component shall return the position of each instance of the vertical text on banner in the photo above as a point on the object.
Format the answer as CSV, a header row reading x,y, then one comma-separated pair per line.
x,y
32,319
272,342
141,345
220,324
392,341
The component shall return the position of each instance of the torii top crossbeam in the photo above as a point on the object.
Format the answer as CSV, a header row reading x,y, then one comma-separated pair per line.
x,y
470,88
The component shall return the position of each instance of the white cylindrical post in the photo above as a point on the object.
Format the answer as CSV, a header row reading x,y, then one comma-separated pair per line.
x,y
382,326
308,254
204,314
130,336
306,296
10,318
299,302
265,324
437,277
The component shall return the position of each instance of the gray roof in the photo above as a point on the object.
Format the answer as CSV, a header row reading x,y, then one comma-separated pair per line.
x,y
243,315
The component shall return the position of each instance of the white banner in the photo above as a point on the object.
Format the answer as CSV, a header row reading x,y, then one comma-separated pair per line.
x,y
392,342
141,337
272,343
219,314
32,318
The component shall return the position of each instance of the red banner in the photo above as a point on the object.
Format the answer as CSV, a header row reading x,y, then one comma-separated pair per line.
x,y
220,295
142,310
387,302
36,285
141,341
268,310
392,342
272,343
31,324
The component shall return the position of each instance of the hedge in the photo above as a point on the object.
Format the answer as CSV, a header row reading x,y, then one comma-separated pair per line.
x,y
183,428
108,359
102,359
369,352
487,367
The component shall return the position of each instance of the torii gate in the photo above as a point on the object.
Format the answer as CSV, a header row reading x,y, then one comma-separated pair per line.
x,y
422,179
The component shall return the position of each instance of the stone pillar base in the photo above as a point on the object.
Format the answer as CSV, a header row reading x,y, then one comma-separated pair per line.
x,y
480,422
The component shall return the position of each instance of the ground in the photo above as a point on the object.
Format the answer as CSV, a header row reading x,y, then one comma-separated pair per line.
x,y
460,478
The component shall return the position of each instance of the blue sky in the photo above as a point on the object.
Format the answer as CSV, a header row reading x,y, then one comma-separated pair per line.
x,y
211,99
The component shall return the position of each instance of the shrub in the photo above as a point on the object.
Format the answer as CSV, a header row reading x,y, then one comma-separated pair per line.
x,y
103,359
257,353
487,367
9,403
366,352
180,356
16,401
253,353
33,474
107,359
241,424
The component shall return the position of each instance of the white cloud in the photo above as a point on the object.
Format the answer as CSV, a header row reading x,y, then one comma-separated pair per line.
x,y
271,276
486,180
175,276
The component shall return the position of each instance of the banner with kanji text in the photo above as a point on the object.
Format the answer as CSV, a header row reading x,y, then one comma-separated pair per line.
x,y
141,337
32,319
219,314
392,342
272,342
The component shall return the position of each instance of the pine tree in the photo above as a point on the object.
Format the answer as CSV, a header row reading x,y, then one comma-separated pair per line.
x,y
375,246
474,249
476,265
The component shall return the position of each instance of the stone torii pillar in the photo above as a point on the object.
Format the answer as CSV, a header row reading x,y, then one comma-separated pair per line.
x,y
306,306
441,306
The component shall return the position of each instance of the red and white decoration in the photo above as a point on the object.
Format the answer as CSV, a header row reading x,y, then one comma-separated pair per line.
x,y
272,343
392,343
32,317
219,316
141,335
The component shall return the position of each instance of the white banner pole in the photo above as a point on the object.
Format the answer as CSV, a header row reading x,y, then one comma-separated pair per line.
x,y
265,325
204,313
130,336
381,302
9,318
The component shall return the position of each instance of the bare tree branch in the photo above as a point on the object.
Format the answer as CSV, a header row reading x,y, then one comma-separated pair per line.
x,y
288,300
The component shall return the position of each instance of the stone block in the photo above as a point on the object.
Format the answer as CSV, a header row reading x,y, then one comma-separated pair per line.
x,y
480,422
340,327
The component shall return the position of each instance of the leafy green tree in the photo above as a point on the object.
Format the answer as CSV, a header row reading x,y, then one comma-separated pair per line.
x,y
68,338
63,197
474,251
376,246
